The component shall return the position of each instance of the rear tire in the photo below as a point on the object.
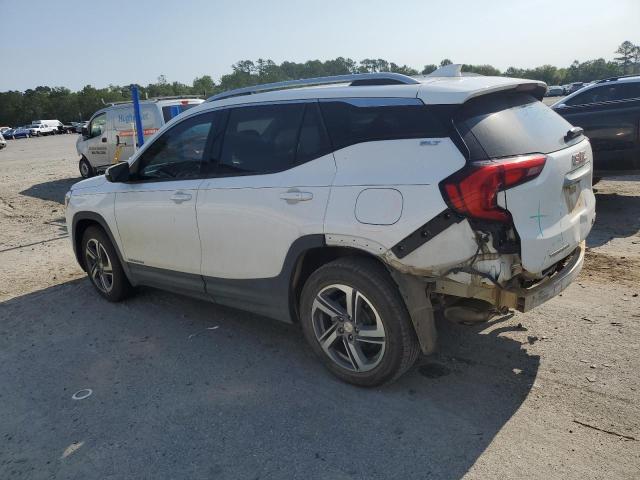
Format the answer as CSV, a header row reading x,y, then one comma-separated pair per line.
x,y
103,266
86,170
369,343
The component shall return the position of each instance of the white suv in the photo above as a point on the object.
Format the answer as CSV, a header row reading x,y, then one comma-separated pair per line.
x,y
355,207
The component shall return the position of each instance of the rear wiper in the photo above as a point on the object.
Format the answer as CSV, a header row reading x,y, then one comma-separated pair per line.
x,y
573,133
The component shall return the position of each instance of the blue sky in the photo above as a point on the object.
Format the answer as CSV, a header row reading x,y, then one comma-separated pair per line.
x,y
74,43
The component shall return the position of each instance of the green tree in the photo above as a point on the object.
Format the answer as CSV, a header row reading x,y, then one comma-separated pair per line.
x,y
427,69
204,86
626,54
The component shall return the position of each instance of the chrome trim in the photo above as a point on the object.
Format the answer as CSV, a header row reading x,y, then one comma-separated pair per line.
x,y
398,77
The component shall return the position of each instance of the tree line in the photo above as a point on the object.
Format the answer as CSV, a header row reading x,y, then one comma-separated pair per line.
x,y
17,108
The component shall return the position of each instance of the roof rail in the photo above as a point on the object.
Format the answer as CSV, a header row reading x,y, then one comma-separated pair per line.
x,y
154,99
356,79
611,79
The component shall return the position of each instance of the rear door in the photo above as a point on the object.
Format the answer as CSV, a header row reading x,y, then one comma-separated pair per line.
x,y
554,212
269,187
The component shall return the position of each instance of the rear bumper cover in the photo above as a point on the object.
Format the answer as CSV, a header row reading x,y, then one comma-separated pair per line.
x,y
529,298
522,299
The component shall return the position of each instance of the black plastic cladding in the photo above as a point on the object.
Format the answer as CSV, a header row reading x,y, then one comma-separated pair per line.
x,y
429,230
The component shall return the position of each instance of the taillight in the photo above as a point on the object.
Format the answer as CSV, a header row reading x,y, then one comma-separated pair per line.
x,y
473,191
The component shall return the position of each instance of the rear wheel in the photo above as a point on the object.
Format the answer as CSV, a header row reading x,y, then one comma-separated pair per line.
x,y
355,320
86,170
103,266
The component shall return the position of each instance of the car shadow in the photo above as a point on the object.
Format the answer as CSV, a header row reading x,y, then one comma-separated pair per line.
x,y
181,388
52,191
616,217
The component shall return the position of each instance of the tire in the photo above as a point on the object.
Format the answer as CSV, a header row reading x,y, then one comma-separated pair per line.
x,y
358,350
103,266
86,170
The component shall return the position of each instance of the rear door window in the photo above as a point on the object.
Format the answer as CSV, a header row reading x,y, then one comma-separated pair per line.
x,y
503,125
261,139
358,120
313,141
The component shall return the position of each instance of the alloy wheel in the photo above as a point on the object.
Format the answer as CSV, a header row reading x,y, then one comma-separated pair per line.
x,y
348,328
99,265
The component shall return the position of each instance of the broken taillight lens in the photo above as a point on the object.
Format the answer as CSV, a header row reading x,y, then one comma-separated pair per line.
x,y
473,190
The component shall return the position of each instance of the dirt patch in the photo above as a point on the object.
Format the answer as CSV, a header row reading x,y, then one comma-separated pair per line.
x,y
605,268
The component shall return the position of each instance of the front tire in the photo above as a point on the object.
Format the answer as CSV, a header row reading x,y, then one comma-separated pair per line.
x,y
103,266
86,170
354,319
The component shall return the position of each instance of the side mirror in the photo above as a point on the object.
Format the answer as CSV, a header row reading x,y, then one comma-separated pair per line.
x,y
118,173
85,132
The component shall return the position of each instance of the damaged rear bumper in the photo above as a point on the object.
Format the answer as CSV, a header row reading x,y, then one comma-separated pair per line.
x,y
521,299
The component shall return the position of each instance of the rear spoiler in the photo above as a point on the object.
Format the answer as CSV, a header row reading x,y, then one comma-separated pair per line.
x,y
459,89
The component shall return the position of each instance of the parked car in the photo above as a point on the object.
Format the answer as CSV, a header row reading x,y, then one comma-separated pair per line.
x,y
4,129
110,135
554,91
81,125
39,129
21,132
609,113
67,128
8,134
353,209
574,87
3,142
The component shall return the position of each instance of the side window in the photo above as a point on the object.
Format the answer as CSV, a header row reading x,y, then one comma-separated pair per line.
x,y
366,120
313,142
178,152
627,91
607,93
260,139
98,125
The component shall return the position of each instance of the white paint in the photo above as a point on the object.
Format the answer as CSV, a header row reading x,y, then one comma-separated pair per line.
x,y
246,228
379,206
567,213
156,230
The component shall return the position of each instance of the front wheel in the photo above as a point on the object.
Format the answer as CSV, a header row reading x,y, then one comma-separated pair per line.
x,y
355,320
103,266
86,170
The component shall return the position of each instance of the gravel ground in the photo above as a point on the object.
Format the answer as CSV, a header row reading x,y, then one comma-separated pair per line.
x,y
554,393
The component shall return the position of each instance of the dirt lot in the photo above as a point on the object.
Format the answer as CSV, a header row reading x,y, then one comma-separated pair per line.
x,y
550,394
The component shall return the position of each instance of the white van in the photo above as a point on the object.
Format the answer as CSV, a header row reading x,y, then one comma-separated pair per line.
x,y
110,136
46,127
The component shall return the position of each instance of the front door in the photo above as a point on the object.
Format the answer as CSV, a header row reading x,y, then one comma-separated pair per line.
x,y
98,152
156,212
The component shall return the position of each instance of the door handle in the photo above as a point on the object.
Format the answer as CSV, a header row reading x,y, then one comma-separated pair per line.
x,y
180,197
104,139
294,196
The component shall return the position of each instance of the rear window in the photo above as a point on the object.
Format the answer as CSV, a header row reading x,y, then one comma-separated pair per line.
x,y
171,111
502,125
361,120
